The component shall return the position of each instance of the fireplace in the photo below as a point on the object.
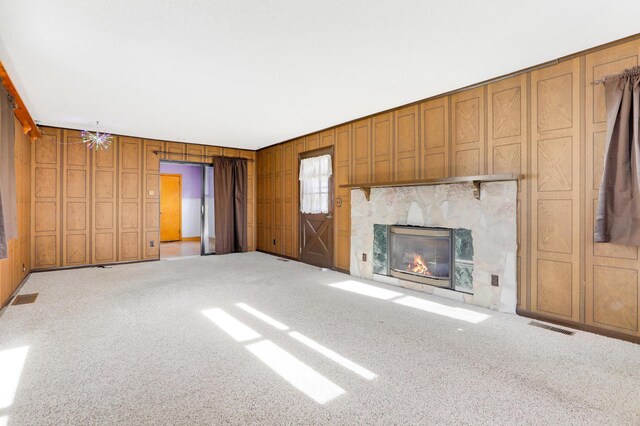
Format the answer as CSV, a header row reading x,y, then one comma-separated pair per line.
x,y
422,255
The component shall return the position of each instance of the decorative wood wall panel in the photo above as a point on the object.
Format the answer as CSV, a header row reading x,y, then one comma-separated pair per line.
x,y
104,201
407,146
327,138
151,196
467,109
278,207
611,271
435,140
507,115
260,195
312,142
289,188
46,199
383,147
361,152
130,199
75,200
269,203
176,151
195,154
15,268
251,197
342,209
555,190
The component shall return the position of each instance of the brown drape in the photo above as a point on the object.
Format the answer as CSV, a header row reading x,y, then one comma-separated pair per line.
x,y
230,192
618,213
8,208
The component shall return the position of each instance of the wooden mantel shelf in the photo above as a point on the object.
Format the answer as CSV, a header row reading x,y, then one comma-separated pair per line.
x,y
475,180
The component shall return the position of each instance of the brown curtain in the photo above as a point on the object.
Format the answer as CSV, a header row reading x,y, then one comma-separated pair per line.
x,y
230,192
8,208
618,213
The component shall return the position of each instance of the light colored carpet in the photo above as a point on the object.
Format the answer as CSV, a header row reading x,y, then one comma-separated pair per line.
x,y
131,345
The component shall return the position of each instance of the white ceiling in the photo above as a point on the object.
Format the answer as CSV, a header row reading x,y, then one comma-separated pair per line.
x,y
249,74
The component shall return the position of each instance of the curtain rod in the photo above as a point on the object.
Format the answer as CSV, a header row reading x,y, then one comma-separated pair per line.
x,y
626,73
157,151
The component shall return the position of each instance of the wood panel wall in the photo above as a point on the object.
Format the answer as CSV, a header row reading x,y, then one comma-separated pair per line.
x,y
98,207
17,266
548,125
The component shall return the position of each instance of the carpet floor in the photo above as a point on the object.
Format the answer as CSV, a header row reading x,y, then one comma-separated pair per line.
x,y
249,339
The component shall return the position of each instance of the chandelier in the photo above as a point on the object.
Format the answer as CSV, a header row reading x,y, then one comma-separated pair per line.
x,y
96,140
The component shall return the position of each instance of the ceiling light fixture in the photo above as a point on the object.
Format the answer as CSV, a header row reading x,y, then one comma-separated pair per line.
x,y
96,140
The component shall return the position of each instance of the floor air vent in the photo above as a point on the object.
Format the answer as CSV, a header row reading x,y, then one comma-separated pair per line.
x,y
23,299
552,328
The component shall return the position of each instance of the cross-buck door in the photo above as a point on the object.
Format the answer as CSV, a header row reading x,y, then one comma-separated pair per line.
x,y
316,208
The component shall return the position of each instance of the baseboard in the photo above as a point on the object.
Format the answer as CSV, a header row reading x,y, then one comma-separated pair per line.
x,y
197,239
578,326
342,271
94,265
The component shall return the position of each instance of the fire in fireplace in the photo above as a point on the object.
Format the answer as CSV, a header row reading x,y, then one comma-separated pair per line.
x,y
422,255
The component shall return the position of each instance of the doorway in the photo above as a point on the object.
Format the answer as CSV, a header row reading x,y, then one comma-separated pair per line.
x,y
316,207
187,223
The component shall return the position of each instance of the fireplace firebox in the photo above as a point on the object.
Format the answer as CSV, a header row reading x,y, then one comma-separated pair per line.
x,y
422,255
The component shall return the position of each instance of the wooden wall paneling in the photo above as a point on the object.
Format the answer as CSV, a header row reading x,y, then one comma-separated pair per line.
x,y
268,200
383,147
251,198
312,142
468,135
434,127
507,152
212,151
299,147
361,152
612,293
407,143
555,187
151,197
231,152
76,208
176,151
195,154
17,265
327,138
278,198
260,213
104,204
22,258
342,203
46,248
289,195
130,199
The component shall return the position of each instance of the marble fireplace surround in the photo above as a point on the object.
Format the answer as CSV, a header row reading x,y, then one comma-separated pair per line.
x,y
491,219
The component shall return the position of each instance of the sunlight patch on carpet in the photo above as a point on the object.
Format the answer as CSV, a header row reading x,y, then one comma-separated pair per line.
x,y
366,290
444,310
230,325
11,363
294,371
333,356
262,316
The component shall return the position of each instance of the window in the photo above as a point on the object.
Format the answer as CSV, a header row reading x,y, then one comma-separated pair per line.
x,y
314,184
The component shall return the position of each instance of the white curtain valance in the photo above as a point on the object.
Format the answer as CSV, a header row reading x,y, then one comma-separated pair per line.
x,y
314,184
315,167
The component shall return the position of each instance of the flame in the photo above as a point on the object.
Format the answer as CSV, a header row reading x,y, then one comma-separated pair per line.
x,y
418,265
